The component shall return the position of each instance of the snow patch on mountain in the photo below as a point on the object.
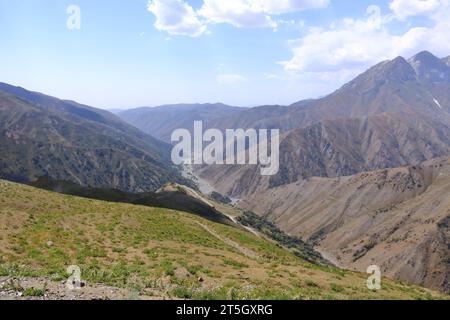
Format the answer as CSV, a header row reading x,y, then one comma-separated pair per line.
x,y
438,104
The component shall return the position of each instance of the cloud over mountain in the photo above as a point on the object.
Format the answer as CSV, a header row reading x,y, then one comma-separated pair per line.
x,y
358,43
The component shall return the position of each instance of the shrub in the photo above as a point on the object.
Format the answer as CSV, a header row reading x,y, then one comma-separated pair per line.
x,y
33,292
168,268
336,287
182,293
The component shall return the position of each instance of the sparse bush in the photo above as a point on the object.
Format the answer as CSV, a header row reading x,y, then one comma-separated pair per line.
x,y
33,292
182,293
336,288
168,268
194,269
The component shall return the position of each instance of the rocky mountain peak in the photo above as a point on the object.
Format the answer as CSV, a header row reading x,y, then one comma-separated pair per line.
x,y
430,68
396,70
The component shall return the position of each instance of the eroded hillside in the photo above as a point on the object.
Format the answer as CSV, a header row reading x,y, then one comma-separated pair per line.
x,y
395,218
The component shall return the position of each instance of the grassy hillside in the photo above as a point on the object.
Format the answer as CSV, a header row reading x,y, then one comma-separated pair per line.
x,y
162,252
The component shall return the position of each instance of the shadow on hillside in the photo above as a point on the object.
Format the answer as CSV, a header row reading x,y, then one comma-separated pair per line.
x,y
175,198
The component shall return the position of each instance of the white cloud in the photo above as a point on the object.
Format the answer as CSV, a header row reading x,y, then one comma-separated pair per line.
x,y
230,78
408,8
254,13
239,13
357,44
176,18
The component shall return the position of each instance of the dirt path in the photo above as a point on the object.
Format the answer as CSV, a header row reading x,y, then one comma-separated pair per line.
x,y
245,251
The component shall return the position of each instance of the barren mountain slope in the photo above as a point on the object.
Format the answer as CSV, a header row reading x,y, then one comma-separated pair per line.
x,y
397,219
341,147
420,85
394,114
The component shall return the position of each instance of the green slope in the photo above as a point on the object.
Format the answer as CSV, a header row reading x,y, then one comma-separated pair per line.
x,y
163,252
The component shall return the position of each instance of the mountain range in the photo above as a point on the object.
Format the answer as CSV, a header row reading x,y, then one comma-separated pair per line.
x,y
395,218
390,116
161,121
64,140
363,171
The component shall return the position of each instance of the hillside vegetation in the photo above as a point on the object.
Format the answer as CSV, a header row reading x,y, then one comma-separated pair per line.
x,y
161,252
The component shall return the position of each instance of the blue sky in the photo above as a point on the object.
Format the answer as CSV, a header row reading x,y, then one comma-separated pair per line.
x,y
240,52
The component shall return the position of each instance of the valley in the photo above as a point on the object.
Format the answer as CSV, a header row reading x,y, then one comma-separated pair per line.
x,y
362,170
245,150
363,180
156,253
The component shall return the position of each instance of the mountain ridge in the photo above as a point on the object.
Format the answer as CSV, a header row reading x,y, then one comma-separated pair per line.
x,y
393,118
46,136
397,218
161,121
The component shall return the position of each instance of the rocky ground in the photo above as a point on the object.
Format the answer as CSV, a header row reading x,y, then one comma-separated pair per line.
x,y
12,288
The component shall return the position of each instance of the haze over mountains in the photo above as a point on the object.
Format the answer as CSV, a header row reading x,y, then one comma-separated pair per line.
x,y
161,121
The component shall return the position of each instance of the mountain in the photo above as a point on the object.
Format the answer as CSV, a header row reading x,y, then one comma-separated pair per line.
x,y
340,147
46,136
419,85
161,121
390,86
396,113
430,69
116,111
447,60
344,147
328,149
396,218
160,253
392,116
